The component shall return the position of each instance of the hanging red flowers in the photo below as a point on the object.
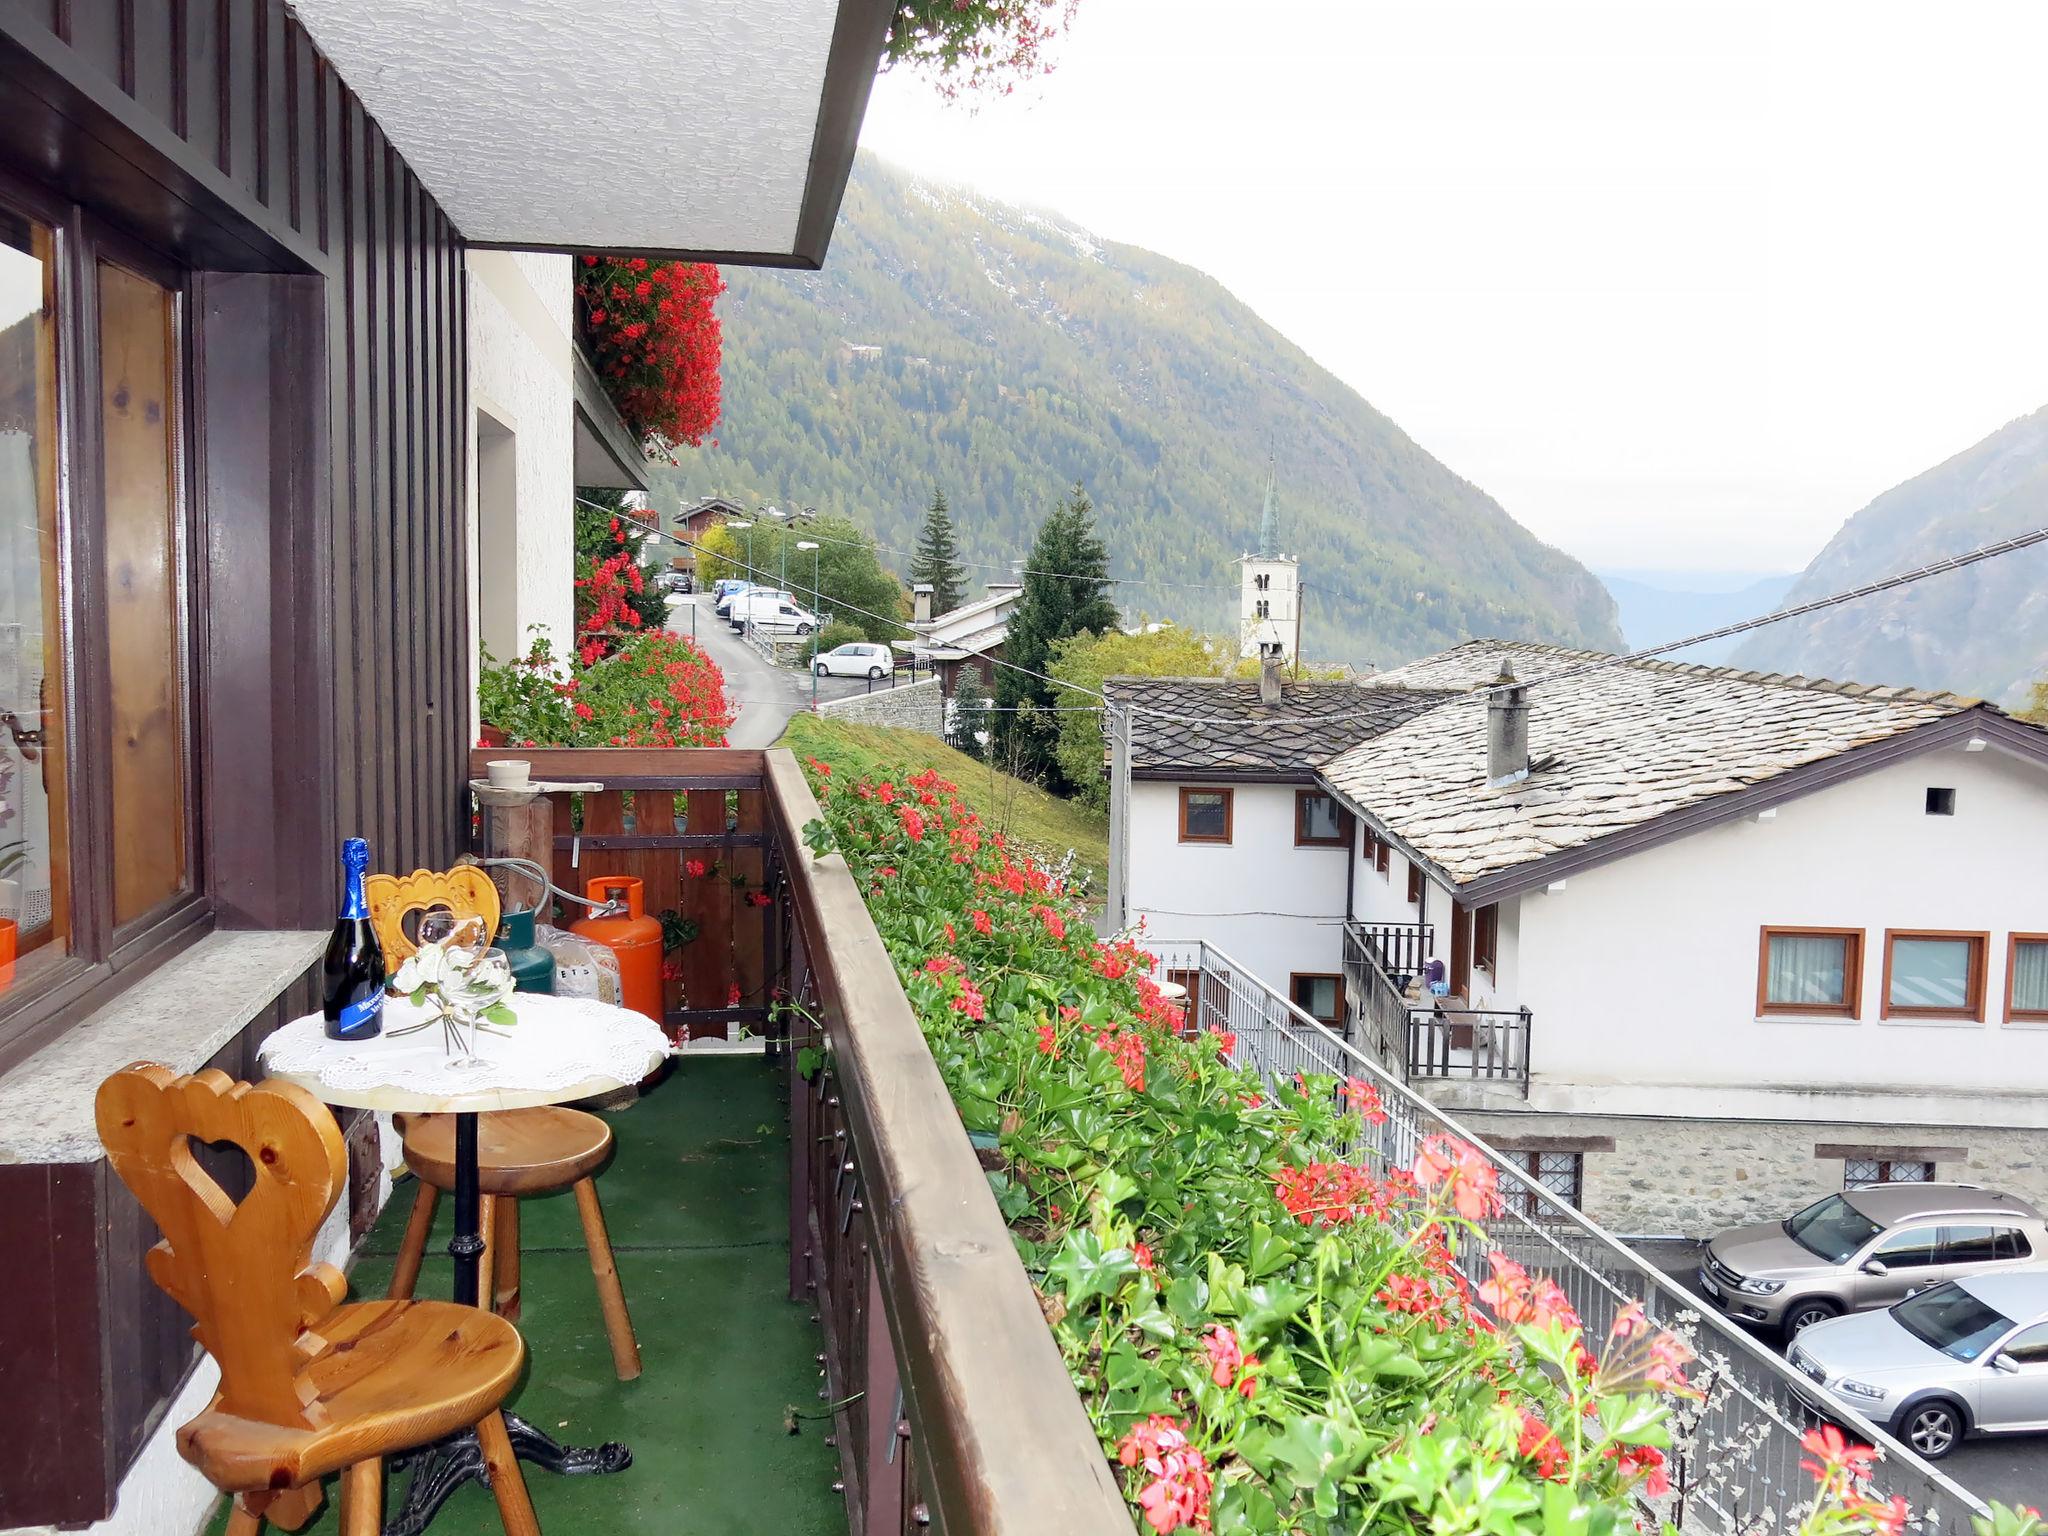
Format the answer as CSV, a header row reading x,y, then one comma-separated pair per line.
x,y
656,342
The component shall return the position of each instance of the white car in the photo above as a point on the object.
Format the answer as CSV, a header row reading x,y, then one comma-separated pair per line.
x,y
1962,1357
860,658
772,613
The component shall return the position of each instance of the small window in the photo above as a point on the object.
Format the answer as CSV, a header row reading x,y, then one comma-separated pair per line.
x,y
2013,1244
1858,1171
2029,1347
1262,609
1320,997
1205,815
1414,881
1810,970
1262,582
1913,1248
1941,802
1934,975
1319,821
1376,850
2026,977
1562,1173
1486,939
1968,1245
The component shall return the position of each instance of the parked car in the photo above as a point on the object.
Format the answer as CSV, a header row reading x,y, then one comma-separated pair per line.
x,y
861,658
673,581
774,612
1962,1357
723,593
1866,1248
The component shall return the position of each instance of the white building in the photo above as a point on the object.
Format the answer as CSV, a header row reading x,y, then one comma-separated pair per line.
x,y
540,426
1269,594
1713,942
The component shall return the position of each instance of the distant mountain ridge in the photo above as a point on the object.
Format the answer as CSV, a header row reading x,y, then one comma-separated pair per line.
x,y
1981,631
1004,354
1656,606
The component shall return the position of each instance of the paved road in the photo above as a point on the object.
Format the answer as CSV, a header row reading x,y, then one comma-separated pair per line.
x,y
2012,1469
765,696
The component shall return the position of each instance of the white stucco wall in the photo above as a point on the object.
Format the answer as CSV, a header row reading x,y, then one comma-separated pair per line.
x,y
520,376
1272,906
1642,974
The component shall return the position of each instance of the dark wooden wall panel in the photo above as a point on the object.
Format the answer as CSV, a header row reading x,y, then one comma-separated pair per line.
x,y
255,157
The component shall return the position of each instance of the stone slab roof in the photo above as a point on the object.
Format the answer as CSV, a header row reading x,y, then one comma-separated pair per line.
x,y
1610,750
1195,726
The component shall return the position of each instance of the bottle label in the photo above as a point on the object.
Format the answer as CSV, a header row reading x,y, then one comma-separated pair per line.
x,y
364,1016
355,862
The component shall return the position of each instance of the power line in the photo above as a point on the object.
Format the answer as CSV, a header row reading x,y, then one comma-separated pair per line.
x,y
1016,569
1870,589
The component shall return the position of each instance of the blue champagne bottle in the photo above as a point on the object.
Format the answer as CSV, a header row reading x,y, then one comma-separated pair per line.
x,y
352,975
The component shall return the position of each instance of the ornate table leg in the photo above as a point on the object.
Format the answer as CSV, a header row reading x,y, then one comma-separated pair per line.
x,y
438,1470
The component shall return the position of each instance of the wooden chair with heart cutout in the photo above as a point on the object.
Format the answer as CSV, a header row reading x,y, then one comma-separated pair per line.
x,y
520,1152
309,1386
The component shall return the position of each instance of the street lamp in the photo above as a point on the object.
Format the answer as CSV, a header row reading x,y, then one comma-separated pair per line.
x,y
782,541
817,634
748,528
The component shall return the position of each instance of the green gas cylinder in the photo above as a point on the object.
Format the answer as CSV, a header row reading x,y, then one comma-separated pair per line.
x,y
533,968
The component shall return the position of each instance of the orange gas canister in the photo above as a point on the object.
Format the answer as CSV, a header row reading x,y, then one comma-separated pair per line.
x,y
631,934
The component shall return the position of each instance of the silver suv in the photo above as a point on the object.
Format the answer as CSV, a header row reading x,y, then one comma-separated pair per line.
x,y
1868,1248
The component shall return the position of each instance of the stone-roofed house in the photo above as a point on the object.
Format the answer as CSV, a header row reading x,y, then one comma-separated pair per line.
x,y
1714,941
1224,831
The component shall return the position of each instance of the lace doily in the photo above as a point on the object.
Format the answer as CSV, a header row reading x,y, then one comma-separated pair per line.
x,y
559,1043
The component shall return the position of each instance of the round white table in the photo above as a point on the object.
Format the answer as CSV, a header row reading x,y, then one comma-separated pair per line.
x,y
562,1049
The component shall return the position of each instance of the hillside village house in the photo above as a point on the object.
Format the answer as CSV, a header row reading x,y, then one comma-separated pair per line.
x,y
1713,943
967,638
268,304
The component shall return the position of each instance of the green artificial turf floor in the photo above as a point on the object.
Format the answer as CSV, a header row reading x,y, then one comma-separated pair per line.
x,y
697,1200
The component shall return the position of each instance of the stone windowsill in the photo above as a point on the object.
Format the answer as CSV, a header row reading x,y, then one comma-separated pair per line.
x,y
180,1014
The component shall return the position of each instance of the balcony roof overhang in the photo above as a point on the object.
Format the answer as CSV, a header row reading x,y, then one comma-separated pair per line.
x,y
707,131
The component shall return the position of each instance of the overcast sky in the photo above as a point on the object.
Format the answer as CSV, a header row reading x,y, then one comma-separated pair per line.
x,y
1682,285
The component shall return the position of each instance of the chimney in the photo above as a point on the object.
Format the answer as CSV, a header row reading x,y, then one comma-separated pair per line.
x,y
1269,673
1507,731
920,603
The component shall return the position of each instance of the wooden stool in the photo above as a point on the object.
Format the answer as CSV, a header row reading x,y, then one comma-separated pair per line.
x,y
308,1386
519,1152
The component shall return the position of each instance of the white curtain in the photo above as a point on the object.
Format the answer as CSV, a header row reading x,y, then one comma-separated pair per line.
x,y
2030,976
1808,968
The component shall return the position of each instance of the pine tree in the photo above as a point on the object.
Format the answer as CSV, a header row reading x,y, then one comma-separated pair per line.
x,y
1066,590
937,559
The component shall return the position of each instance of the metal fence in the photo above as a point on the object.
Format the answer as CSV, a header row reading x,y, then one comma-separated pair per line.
x,y
1489,1044
1734,1463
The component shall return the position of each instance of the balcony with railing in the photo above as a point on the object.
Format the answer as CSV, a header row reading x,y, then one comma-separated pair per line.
x,y
930,1373
1429,1040
1735,1458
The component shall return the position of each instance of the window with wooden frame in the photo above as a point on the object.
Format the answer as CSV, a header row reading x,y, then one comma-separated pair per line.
x,y
2026,978
99,847
1319,821
1810,971
1319,996
1376,851
1486,939
1934,974
1414,881
1205,815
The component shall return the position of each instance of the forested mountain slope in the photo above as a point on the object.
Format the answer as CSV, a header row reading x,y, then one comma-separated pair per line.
x,y
1982,630
1004,355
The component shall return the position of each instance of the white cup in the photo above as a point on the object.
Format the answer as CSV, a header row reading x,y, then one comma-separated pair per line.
x,y
509,773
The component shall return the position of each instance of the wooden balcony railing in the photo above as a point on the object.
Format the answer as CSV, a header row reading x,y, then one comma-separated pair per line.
x,y
954,1410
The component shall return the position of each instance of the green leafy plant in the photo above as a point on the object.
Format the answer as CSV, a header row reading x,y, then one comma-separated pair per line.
x,y
659,690
1271,1331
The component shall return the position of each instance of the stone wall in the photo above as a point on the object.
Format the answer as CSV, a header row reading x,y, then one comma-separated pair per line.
x,y
912,706
1693,1178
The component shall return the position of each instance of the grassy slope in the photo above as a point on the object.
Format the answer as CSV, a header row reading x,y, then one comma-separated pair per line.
x,y
1046,824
